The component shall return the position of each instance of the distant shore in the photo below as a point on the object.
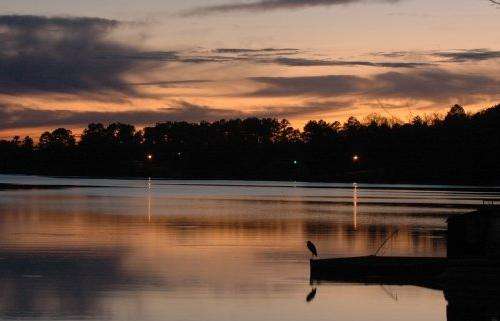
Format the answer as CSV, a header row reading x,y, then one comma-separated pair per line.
x,y
214,182
6,187
362,177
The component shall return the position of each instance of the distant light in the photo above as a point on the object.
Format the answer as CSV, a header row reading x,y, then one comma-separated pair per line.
x,y
355,158
295,162
149,157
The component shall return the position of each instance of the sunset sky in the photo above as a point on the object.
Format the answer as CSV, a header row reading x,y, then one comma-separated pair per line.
x,y
66,63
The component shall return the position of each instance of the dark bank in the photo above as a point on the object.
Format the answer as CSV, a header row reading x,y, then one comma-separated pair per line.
x,y
457,148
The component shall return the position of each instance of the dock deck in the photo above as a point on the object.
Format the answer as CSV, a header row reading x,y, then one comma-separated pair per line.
x,y
394,269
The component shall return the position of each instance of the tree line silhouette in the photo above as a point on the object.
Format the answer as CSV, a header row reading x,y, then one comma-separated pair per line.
x,y
457,147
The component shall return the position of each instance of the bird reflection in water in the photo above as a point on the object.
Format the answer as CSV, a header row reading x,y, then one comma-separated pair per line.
x,y
311,295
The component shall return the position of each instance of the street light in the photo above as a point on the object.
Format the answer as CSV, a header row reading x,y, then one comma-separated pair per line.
x,y
355,158
149,156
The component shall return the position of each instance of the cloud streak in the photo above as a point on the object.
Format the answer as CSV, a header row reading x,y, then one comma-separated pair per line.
x,y
468,55
256,51
284,57
304,62
266,5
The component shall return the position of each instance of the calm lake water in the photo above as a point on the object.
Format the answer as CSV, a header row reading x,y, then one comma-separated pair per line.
x,y
213,250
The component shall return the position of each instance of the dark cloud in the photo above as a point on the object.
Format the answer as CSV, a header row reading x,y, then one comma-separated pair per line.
x,y
309,108
304,62
430,84
34,23
434,84
69,55
17,116
13,116
468,55
329,85
265,5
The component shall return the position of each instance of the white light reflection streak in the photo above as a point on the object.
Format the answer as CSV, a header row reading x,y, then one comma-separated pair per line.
x,y
355,206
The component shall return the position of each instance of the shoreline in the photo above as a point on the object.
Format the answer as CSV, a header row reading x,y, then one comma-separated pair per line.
x,y
244,183
349,178
10,187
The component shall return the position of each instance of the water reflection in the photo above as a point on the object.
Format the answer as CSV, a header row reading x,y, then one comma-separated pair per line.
x,y
467,300
70,283
355,206
149,199
154,252
473,305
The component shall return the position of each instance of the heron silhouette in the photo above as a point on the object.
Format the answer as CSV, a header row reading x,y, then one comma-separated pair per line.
x,y
312,248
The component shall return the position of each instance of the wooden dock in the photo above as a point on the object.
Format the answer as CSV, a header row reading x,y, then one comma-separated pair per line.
x,y
388,269
473,258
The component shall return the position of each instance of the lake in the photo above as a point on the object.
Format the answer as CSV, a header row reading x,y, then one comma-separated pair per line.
x,y
109,249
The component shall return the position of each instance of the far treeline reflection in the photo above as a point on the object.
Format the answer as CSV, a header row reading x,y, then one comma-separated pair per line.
x,y
455,148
